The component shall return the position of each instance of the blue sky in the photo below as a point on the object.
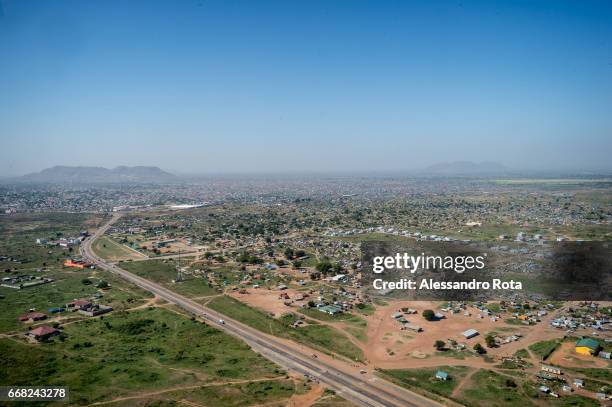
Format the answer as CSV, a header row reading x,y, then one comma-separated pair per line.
x,y
243,86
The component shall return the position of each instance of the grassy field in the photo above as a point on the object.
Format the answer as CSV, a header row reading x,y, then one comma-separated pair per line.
x,y
129,352
265,392
489,388
355,325
66,287
595,373
332,400
424,379
109,249
366,309
321,337
544,348
19,234
164,271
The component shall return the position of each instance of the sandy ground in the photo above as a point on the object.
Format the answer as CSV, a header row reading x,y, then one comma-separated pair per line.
x,y
400,349
267,300
307,399
390,347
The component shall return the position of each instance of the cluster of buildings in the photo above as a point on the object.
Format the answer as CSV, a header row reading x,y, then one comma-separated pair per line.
x,y
65,242
87,307
553,374
587,315
405,324
82,306
24,281
333,232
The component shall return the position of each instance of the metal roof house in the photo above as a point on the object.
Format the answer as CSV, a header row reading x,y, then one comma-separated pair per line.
x,y
470,333
587,346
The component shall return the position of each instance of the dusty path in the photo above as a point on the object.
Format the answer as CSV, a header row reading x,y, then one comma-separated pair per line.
x,y
178,388
307,399
467,379
151,302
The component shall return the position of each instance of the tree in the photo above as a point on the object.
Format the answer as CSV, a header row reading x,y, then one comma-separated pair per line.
x,y
289,253
297,264
324,266
311,304
429,315
490,340
480,349
439,345
86,281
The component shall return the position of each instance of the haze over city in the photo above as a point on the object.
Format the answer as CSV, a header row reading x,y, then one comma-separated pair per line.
x,y
213,86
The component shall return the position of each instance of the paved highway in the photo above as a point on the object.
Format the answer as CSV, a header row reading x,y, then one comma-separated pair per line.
x,y
363,391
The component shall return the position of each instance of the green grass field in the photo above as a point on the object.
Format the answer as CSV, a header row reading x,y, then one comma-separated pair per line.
x,y
164,271
19,234
321,337
424,379
544,348
109,249
129,352
355,325
493,389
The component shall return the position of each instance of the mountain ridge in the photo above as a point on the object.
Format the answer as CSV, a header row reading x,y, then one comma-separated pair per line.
x,y
78,174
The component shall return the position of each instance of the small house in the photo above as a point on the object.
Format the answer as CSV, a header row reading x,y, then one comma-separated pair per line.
x,y
441,375
550,369
470,333
587,346
42,333
78,304
412,327
32,316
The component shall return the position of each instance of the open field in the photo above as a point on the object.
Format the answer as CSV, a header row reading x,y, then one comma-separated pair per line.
x,y
318,336
425,378
109,249
164,272
19,234
133,352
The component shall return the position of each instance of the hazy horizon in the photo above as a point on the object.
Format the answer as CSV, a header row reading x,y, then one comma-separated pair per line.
x,y
422,171
210,87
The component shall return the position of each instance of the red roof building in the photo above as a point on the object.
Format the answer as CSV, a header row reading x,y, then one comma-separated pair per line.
x,y
32,316
43,332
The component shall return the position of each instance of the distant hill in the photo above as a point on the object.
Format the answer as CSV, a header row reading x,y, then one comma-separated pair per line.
x,y
466,168
67,174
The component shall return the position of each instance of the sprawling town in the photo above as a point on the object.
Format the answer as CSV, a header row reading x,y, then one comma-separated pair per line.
x,y
250,291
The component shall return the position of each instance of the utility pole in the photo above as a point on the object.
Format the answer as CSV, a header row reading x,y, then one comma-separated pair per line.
x,y
179,275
